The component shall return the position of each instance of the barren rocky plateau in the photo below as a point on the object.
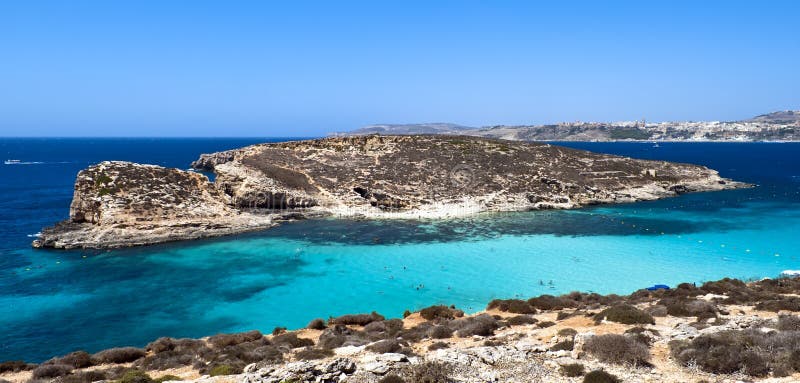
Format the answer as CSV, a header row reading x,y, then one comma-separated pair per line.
x,y
118,204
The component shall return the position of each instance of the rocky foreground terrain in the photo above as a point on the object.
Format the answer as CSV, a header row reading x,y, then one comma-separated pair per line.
x,y
123,204
723,331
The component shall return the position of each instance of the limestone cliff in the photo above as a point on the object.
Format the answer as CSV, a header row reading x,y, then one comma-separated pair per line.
x,y
441,176
123,204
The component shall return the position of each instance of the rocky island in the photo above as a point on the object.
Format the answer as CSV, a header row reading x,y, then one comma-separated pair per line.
x,y
119,204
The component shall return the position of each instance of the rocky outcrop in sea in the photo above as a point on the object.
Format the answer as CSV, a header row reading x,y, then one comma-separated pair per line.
x,y
123,204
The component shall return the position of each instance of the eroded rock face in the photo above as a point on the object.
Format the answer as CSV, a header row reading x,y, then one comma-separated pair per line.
x,y
123,192
122,204
443,176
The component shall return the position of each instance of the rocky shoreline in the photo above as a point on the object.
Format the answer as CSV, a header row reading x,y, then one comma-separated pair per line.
x,y
118,204
722,331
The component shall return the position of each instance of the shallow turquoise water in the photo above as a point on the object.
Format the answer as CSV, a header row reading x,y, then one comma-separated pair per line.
x,y
52,302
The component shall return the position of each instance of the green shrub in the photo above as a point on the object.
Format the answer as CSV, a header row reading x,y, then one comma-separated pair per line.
x,y
566,345
549,302
13,366
83,377
788,323
567,332
564,315
114,373
77,359
317,324
723,286
481,325
617,349
600,376
118,355
640,334
391,379
263,354
440,332
384,329
224,369
520,320
313,354
546,324
440,312
657,310
102,179
45,371
224,340
684,307
781,304
515,306
625,314
278,330
572,370
417,333
431,372
166,360
340,335
170,344
166,378
750,351
292,341
639,330
357,319
385,346
135,376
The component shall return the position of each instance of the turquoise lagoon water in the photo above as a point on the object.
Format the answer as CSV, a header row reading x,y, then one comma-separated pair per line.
x,y
53,302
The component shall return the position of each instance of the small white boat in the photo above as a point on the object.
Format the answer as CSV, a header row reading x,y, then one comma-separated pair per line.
x,y
13,162
656,145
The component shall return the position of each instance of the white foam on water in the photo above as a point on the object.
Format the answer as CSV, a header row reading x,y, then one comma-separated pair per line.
x,y
8,162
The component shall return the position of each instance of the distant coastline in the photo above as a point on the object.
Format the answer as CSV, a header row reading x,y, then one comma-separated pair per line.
x,y
783,126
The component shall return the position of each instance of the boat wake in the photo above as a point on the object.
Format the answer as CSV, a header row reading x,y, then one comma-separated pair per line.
x,y
18,162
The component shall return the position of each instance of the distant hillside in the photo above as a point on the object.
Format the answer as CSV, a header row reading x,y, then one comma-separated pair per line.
x,y
781,117
776,126
427,128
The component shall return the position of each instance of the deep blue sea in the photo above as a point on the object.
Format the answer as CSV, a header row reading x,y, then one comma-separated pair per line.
x,y
54,302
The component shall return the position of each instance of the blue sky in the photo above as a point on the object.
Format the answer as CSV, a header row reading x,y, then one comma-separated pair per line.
x,y
301,68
